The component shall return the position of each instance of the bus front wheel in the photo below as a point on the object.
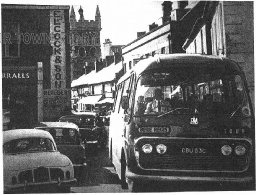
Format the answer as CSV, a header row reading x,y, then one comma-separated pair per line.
x,y
125,182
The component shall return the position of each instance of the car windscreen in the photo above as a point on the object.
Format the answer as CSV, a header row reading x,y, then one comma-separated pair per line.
x,y
64,136
29,145
186,91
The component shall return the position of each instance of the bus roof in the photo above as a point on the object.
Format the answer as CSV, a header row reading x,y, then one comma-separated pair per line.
x,y
172,60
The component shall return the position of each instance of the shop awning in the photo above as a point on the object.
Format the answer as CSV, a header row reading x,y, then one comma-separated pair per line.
x,y
93,99
106,100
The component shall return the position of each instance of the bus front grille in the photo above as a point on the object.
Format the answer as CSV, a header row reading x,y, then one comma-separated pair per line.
x,y
193,155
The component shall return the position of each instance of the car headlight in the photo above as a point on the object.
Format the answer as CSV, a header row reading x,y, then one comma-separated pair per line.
x,y
154,129
147,148
226,150
161,148
240,150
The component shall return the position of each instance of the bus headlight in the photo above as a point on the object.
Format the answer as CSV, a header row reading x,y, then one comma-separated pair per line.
x,y
161,148
226,150
240,150
147,148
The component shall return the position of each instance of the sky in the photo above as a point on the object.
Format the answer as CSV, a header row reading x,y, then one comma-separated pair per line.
x,y
121,19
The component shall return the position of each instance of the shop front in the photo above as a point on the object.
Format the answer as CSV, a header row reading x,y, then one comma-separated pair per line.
x,y
19,97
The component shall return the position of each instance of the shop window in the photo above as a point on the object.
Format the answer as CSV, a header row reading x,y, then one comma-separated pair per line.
x,y
11,40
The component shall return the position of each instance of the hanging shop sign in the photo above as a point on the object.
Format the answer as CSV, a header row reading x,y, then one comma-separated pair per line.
x,y
57,98
58,58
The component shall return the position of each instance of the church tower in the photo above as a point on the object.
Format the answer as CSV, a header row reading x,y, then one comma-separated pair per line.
x,y
85,42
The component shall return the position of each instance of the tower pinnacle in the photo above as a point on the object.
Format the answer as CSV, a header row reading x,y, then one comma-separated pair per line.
x,y
81,13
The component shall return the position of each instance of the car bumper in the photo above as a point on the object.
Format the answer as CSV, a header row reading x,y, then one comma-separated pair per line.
x,y
149,178
44,185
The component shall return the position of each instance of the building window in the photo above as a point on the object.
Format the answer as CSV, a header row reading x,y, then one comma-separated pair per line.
x,y
93,52
11,40
81,52
130,64
163,50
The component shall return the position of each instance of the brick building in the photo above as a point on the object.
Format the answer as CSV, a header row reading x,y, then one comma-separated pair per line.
x,y
35,63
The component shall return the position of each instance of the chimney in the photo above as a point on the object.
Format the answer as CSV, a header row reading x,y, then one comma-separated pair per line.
x,y
178,10
139,34
152,26
166,8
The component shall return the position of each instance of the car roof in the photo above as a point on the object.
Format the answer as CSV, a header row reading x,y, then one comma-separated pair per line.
x,y
58,125
25,133
84,113
89,114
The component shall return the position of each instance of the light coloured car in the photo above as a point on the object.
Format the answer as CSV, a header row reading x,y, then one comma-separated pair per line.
x,y
69,143
31,160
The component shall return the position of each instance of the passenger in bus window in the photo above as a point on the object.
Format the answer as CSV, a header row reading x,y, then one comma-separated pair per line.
x,y
158,104
141,105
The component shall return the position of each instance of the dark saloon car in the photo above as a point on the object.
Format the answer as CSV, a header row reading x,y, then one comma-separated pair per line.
x,y
91,127
69,142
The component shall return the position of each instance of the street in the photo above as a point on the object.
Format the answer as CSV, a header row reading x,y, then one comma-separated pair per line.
x,y
102,177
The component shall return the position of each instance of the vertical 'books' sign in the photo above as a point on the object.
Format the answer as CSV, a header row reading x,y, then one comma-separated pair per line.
x,y
58,63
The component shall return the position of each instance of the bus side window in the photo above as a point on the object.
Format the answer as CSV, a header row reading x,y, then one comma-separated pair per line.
x,y
131,89
125,93
118,97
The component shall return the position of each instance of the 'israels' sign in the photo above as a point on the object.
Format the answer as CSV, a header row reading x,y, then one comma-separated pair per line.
x,y
58,63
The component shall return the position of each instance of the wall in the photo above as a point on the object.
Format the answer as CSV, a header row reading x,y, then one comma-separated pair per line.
x,y
238,22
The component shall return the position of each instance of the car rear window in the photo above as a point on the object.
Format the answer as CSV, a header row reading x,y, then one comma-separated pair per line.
x,y
80,121
64,136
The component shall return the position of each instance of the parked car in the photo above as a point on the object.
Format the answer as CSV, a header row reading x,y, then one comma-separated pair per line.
x,y
69,142
91,127
31,160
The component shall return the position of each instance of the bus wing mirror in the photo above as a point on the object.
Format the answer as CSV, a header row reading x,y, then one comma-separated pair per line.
x,y
124,103
126,117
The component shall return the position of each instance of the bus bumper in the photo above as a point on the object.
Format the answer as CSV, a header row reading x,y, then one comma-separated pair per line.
x,y
147,178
